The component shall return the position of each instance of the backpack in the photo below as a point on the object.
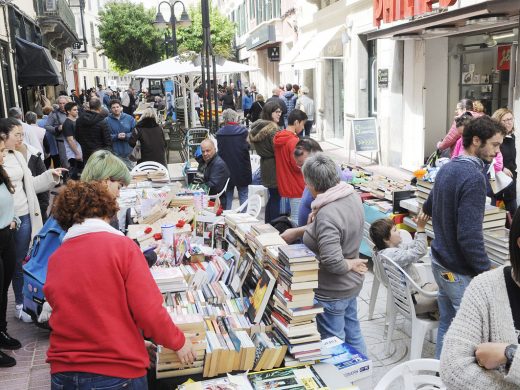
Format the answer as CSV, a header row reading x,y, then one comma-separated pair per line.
x,y
45,243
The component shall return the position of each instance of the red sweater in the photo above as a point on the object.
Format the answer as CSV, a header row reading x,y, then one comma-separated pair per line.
x,y
102,294
289,176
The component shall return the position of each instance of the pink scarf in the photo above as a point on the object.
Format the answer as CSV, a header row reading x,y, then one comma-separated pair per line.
x,y
340,190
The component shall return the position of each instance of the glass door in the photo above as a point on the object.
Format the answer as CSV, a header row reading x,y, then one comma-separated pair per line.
x,y
338,99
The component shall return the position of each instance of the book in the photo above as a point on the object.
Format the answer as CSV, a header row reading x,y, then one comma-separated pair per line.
x,y
351,363
296,253
298,378
261,296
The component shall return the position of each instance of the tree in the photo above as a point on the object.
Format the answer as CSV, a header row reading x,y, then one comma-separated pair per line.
x,y
222,33
128,36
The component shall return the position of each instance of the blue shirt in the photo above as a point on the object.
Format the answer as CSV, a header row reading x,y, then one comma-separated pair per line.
x,y
125,124
305,207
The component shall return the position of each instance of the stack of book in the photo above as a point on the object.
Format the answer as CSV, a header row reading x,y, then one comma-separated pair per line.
x,y
496,242
168,364
494,217
169,279
294,312
270,350
232,220
423,191
351,363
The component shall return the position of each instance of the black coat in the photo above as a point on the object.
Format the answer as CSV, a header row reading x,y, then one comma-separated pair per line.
x,y
92,133
508,150
256,110
215,176
282,104
37,167
234,150
227,101
153,144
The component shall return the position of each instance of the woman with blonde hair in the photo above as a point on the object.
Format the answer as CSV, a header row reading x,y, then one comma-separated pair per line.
x,y
508,149
151,136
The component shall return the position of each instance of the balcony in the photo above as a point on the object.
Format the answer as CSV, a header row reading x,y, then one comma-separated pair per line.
x,y
57,23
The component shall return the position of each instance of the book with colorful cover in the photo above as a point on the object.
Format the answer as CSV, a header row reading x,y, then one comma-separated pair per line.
x,y
293,378
351,363
260,298
296,253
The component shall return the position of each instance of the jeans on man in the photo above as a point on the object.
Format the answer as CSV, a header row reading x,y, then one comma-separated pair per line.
x,y
22,240
89,381
242,195
307,127
339,318
451,290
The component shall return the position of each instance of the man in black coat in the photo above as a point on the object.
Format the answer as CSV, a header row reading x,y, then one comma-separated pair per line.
x,y
281,102
216,172
92,131
234,150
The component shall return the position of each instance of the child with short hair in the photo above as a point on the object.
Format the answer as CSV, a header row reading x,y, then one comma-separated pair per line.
x,y
388,242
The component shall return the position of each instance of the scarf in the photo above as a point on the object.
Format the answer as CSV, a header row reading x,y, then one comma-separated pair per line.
x,y
340,190
90,225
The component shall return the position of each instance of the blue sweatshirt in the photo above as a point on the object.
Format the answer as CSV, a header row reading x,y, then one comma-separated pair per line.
x,y
125,124
456,205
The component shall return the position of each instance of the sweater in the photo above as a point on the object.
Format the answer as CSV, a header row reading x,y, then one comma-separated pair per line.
x,y
484,316
456,205
289,176
125,124
335,235
97,323
458,150
453,134
261,138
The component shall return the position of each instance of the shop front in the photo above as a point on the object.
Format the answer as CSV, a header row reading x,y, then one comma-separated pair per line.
x,y
468,49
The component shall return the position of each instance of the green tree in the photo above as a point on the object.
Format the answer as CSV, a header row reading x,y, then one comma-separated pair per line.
x,y
222,33
128,37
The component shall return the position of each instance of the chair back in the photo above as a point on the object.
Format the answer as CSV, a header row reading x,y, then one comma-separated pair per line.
x,y
194,138
415,374
399,285
150,166
254,205
379,271
221,192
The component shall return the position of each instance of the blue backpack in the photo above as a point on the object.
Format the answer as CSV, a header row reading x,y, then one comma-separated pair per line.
x,y
44,245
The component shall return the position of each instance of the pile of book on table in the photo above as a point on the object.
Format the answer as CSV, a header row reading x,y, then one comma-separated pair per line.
x,y
294,312
496,242
169,279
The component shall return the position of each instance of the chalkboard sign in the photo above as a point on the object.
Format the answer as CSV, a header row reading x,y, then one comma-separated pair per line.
x,y
365,135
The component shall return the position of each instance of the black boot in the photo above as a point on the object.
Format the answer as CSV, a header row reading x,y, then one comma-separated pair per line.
x,y
7,342
6,360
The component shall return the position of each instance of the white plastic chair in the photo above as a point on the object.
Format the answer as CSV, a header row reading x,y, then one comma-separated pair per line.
x,y
255,162
415,374
150,166
213,197
401,285
253,204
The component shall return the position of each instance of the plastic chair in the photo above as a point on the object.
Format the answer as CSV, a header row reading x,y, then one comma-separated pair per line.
x,y
216,196
253,204
194,138
150,166
176,143
415,374
401,285
255,162
255,189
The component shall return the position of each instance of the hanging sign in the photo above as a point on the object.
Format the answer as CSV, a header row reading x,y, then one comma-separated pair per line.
x,y
504,57
273,53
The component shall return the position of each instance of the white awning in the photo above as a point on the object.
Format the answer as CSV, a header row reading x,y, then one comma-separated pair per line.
x,y
305,56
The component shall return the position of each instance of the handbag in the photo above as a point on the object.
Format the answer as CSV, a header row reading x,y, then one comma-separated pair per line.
x,y
135,155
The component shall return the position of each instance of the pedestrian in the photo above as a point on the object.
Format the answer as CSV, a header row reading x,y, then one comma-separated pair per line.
x,y
54,127
30,119
8,225
74,97
121,126
261,138
256,108
151,137
92,130
281,102
456,205
72,147
234,150
247,103
27,208
82,97
50,146
306,104
228,100
288,175
30,132
290,100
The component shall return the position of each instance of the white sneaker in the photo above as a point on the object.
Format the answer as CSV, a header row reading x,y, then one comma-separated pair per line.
x,y
21,315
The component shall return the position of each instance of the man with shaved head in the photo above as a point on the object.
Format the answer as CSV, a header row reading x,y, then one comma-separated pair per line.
x,y
214,170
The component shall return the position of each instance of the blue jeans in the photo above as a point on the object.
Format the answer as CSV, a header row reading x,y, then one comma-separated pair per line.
x,y
242,195
339,318
89,381
449,298
272,208
22,240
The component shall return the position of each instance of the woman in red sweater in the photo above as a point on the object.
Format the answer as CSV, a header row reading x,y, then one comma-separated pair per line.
x,y
288,174
104,299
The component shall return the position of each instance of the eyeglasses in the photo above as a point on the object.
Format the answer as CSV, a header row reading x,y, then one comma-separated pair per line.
x,y
278,112
509,120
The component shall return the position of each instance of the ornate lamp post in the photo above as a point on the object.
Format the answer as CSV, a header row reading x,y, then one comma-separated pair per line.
x,y
184,20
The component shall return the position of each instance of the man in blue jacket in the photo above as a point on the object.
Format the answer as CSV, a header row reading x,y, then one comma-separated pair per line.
x,y
214,169
121,126
456,205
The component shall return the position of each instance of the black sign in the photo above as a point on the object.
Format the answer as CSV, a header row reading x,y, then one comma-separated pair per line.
x,y
273,53
77,45
265,34
365,135
382,78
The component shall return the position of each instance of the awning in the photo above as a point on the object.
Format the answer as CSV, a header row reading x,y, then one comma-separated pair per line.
x,y
460,21
304,55
35,65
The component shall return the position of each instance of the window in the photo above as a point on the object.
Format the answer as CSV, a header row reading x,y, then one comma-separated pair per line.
x,y
277,9
94,56
84,63
372,78
104,62
92,34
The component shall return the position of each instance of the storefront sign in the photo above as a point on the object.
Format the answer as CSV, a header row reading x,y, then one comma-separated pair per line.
x,y
389,11
263,35
504,57
365,135
382,78
273,53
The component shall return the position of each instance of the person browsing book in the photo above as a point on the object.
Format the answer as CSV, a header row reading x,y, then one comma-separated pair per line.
x,y
96,340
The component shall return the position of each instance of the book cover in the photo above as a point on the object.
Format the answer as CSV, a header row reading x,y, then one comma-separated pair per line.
x,y
261,295
351,363
294,378
296,251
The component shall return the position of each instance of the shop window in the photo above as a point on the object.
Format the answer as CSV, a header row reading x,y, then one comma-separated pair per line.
x,y
8,90
372,78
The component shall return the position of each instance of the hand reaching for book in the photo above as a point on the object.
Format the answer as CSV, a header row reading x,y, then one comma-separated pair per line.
x,y
357,265
186,354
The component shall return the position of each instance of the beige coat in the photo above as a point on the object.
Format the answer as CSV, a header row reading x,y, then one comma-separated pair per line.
x,y
33,186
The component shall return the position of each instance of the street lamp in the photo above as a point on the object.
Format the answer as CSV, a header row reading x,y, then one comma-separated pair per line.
x,y
184,21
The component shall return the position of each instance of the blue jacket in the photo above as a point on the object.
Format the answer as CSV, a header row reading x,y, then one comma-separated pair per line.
x,y
234,150
125,124
247,102
290,101
456,205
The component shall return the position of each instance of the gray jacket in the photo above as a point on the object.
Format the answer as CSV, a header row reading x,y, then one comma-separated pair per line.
x,y
55,119
335,235
307,104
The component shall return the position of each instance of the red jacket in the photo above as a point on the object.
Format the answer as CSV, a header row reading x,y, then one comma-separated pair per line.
x,y
103,294
289,176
